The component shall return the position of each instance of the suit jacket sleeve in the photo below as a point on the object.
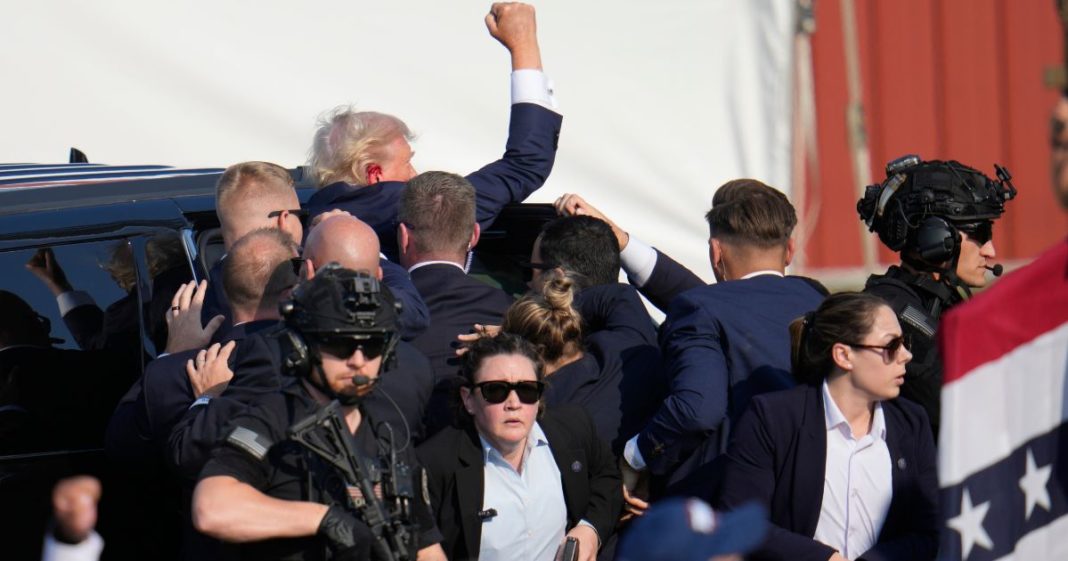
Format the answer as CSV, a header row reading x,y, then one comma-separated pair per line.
x,y
616,308
528,159
920,504
695,367
143,420
198,430
750,474
669,279
414,318
606,485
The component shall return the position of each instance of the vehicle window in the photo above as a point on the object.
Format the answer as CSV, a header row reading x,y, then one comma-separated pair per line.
x,y
77,323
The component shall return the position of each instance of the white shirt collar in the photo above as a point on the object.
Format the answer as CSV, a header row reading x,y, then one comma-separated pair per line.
x,y
425,263
764,272
535,438
834,418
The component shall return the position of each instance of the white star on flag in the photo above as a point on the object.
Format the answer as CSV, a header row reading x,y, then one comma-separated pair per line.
x,y
1033,484
969,523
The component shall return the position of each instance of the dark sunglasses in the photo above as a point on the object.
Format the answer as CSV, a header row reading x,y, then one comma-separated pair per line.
x,y
297,263
980,232
496,392
344,347
890,347
299,212
530,266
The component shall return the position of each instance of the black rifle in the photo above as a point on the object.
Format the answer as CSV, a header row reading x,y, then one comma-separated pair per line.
x,y
327,435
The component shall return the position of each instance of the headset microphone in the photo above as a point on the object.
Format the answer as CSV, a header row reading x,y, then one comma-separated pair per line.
x,y
359,380
996,270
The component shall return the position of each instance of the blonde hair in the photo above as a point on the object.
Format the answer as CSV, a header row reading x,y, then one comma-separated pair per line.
x,y
346,141
548,320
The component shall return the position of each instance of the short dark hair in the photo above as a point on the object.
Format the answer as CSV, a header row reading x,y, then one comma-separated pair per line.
x,y
476,355
439,208
748,212
500,344
584,245
841,318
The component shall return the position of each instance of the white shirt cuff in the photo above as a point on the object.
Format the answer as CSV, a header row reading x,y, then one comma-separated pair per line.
x,y
585,522
72,299
638,260
632,454
533,86
202,400
88,550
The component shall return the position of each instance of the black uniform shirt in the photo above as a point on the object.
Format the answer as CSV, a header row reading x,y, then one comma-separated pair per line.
x,y
913,298
282,469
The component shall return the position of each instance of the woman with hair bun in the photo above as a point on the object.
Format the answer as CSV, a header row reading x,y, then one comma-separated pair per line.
x,y
589,377
845,467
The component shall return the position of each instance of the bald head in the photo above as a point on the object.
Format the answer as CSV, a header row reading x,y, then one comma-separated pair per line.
x,y
346,240
257,273
246,195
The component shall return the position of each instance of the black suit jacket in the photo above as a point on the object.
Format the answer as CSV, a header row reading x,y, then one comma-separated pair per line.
x,y
142,422
455,471
456,302
778,456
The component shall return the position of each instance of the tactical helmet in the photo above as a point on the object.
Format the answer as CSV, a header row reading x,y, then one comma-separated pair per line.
x,y
920,205
337,303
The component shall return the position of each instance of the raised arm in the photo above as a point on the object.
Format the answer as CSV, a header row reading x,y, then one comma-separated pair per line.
x,y
534,125
655,274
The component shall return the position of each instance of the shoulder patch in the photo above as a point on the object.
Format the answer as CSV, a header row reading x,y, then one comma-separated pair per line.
x,y
249,441
425,485
919,320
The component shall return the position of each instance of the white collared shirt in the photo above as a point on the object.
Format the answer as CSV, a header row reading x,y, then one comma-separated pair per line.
x,y
531,514
764,272
857,485
425,263
530,85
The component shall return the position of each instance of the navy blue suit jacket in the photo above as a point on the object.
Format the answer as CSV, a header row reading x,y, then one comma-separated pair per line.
x,y
778,457
722,344
456,302
668,279
618,380
528,159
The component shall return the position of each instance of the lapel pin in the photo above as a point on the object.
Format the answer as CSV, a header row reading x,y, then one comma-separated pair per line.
x,y
576,466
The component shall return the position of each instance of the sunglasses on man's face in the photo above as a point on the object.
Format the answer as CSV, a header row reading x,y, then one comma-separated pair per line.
x,y
344,347
528,392
979,232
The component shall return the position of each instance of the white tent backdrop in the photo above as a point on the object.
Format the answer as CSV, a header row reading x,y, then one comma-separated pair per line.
x,y
662,101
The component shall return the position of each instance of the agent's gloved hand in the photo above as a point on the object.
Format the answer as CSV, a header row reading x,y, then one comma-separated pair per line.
x,y
349,538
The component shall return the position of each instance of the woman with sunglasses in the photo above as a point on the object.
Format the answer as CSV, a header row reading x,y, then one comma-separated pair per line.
x,y
513,483
845,467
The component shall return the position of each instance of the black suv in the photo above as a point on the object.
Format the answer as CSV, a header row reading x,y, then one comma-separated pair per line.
x,y
90,256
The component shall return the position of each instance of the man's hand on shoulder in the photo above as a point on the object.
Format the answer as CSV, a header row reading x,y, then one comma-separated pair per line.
x,y
514,25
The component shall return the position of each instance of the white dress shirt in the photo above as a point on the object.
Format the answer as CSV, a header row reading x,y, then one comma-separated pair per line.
x,y
531,515
857,485
531,85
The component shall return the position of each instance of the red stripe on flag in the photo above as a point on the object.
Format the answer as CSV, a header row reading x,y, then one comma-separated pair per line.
x,y
1017,309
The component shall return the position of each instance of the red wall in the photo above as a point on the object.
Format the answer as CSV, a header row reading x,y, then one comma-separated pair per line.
x,y
946,79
